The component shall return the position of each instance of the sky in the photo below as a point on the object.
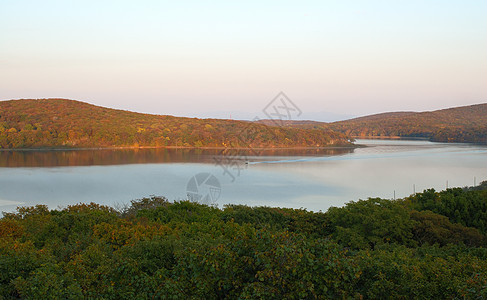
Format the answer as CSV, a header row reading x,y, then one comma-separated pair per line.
x,y
333,59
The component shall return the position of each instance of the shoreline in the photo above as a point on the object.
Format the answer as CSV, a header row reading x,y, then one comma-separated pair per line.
x,y
352,146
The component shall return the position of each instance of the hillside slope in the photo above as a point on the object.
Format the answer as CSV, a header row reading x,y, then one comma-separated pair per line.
x,y
53,123
459,124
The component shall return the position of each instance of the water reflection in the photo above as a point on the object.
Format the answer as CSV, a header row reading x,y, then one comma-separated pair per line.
x,y
104,157
314,179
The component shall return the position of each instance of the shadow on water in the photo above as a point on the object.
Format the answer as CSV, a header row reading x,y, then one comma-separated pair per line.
x,y
103,157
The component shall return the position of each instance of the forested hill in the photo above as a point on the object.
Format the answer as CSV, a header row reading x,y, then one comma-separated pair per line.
x,y
52,123
459,124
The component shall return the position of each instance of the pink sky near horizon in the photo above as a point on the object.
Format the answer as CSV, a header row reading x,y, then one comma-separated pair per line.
x,y
193,59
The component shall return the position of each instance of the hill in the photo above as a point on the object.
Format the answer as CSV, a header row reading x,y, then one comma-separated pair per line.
x,y
55,123
459,124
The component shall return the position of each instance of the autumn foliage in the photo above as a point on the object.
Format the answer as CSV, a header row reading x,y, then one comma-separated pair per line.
x,y
61,123
460,124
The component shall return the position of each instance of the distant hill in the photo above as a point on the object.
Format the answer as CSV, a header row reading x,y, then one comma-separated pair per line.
x,y
459,124
62,123
307,124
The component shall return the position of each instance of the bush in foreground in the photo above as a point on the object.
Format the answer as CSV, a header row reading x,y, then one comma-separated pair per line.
x,y
373,248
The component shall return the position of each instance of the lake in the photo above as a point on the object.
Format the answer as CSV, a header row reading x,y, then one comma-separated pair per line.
x,y
299,178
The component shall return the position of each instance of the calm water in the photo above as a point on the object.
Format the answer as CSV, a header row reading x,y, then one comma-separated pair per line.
x,y
311,179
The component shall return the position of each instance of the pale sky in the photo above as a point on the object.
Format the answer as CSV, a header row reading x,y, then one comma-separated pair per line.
x,y
213,58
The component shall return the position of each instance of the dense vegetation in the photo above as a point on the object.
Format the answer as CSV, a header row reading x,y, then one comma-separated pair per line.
x,y
54,123
418,247
67,123
460,124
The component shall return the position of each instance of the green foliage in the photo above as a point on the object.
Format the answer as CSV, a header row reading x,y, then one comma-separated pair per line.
x,y
293,220
468,208
425,273
48,282
180,212
153,248
17,259
481,187
367,223
432,228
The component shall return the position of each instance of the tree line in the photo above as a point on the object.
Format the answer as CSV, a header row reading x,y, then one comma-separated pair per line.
x,y
58,123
